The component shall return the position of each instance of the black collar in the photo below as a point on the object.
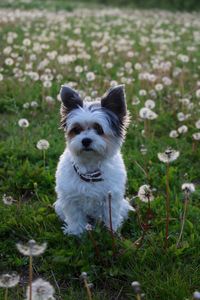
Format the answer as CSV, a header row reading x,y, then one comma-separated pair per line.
x,y
89,177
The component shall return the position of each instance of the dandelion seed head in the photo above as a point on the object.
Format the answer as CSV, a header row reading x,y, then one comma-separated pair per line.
x,y
196,136
8,280
198,93
142,92
90,76
135,101
136,287
42,144
41,290
182,129
149,104
23,123
145,193
31,248
34,104
8,200
159,87
173,134
169,155
88,227
197,124
188,188
83,275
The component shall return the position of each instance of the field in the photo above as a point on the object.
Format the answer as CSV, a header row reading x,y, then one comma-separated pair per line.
x,y
156,55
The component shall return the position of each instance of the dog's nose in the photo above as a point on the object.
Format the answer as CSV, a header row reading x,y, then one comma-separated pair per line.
x,y
86,142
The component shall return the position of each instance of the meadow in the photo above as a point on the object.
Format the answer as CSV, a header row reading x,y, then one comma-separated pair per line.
x,y
156,55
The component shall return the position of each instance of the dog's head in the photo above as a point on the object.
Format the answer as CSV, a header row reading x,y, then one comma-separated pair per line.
x,y
94,129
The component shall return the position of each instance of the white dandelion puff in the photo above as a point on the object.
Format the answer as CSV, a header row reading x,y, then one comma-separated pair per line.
x,y
8,280
31,248
41,290
23,123
173,134
43,144
145,193
168,155
188,188
196,136
8,200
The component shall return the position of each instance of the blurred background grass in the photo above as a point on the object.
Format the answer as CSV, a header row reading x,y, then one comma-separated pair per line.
x,y
174,5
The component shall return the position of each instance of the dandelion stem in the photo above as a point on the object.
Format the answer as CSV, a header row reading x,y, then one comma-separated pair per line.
x,y
44,157
146,128
94,243
183,221
138,297
193,146
167,207
30,276
87,289
6,294
110,220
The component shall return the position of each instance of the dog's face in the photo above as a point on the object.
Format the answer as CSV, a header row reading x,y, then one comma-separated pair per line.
x,y
94,129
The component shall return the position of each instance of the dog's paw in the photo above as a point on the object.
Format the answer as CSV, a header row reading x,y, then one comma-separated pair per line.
x,y
72,229
65,228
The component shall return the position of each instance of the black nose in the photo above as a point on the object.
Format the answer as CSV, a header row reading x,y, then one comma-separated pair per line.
x,y
86,142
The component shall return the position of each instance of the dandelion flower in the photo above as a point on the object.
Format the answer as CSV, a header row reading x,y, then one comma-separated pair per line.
x,y
31,248
90,76
34,104
135,101
83,275
88,227
142,92
145,193
8,200
41,290
196,136
9,280
144,112
181,116
159,87
173,134
23,123
169,155
188,188
197,124
198,93
43,144
182,129
136,287
149,104
9,61
26,105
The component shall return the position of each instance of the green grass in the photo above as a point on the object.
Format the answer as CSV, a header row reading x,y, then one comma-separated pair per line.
x,y
171,274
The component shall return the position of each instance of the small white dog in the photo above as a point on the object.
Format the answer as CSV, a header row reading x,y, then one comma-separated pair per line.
x,y
92,165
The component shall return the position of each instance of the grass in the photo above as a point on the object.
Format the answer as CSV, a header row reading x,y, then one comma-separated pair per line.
x,y
163,274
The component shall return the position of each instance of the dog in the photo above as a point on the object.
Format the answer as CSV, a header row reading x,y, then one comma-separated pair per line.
x,y
92,165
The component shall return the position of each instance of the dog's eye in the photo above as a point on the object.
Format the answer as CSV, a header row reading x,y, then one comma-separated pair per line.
x,y
76,130
98,129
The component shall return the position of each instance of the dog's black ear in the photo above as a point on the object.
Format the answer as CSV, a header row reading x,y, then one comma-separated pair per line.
x,y
70,98
115,101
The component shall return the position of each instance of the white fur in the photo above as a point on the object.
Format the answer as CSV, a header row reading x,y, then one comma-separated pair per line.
x,y
77,199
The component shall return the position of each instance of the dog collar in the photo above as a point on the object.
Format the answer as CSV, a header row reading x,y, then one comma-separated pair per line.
x,y
89,177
